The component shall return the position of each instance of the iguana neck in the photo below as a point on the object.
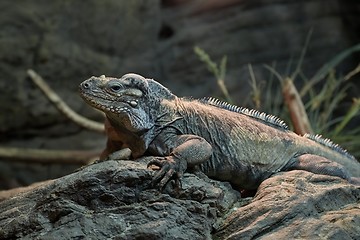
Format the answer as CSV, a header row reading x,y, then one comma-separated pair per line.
x,y
138,141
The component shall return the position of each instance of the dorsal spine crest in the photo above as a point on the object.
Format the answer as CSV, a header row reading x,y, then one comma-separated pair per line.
x,y
328,143
264,117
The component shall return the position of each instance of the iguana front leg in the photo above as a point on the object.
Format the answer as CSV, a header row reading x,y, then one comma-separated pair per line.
x,y
178,153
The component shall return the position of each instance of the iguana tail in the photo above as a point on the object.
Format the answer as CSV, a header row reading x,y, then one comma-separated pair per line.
x,y
322,156
334,152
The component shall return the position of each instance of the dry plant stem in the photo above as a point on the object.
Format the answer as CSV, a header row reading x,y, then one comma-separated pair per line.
x,y
62,106
302,56
223,89
256,92
5,194
47,156
352,73
54,156
296,108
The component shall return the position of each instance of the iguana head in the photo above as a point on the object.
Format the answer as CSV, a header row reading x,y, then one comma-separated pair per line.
x,y
130,102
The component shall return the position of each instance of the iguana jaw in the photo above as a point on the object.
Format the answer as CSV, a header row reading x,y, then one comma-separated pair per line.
x,y
106,105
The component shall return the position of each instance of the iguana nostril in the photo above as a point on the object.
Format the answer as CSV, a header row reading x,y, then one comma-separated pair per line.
x,y
85,85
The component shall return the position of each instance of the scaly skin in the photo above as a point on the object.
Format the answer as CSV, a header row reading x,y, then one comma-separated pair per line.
x,y
229,146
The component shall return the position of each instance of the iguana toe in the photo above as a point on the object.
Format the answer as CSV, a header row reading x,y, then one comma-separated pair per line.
x,y
169,169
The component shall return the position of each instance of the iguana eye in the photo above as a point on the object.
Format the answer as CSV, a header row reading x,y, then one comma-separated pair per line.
x,y
115,88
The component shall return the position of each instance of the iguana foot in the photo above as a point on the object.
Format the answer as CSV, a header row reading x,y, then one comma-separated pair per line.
x,y
168,167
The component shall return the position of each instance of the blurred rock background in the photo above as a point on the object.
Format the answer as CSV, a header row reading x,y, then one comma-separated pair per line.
x,y
67,41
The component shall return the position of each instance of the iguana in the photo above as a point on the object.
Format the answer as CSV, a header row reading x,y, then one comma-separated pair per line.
x,y
225,142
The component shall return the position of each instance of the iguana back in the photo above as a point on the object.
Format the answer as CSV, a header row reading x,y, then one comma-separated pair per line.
x,y
247,148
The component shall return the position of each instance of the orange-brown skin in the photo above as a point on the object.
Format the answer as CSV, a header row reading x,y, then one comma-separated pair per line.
x,y
114,140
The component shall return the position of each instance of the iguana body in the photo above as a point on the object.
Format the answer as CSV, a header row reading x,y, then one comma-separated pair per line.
x,y
225,142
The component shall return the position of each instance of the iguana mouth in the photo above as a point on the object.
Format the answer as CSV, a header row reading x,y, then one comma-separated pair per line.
x,y
106,107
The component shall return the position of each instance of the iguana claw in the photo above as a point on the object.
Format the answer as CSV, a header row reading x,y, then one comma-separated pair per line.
x,y
169,168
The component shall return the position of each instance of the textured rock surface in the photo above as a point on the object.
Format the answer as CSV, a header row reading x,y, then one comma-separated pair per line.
x,y
297,205
113,200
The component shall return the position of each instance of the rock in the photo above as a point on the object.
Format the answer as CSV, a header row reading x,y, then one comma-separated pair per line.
x,y
297,205
113,199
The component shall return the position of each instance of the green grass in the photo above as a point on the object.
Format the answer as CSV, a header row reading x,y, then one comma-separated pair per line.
x,y
323,95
